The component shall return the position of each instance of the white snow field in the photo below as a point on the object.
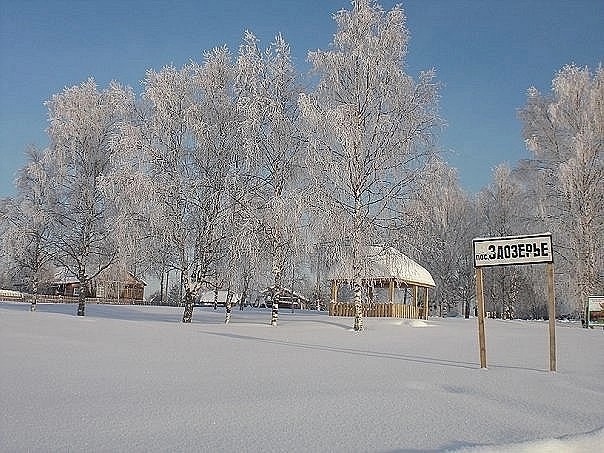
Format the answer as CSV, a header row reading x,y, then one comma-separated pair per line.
x,y
134,378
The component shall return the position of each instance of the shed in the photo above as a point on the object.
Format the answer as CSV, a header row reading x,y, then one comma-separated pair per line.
x,y
288,298
120,287
386,270
63,283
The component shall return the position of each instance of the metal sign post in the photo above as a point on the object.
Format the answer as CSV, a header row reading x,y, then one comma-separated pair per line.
x,y
515,250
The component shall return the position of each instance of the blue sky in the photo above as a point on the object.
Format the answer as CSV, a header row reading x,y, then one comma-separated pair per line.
x,y
486,54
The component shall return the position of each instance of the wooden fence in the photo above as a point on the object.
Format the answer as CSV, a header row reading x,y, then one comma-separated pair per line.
x,y
373,310
44,298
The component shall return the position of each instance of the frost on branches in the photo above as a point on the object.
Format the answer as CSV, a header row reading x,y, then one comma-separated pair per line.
x,y
83,124
25,234
268,90
370,128
187,140
440,227
565,132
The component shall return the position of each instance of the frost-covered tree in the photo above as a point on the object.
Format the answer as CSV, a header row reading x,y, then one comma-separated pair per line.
x,y
565,131
24,239
130,231
183,149
502,210
268,92
83,124
370,126
500,204
441,228
245,267
161,144
150,147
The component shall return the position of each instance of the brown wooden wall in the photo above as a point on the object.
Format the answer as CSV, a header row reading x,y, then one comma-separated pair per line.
x,y
374,310
44,298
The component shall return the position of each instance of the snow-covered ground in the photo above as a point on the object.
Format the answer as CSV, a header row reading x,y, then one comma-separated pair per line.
x,y
134,378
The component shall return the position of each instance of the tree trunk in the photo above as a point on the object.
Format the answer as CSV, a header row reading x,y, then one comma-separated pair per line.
x,y
188,314
227,307
358,306
161,288
275,306
246,284
243,298
34,297
292,299
167,287
276,297
275,309
82,297
82,294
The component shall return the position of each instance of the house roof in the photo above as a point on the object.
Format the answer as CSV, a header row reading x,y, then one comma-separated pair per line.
x,y
386,264
113,274
136,279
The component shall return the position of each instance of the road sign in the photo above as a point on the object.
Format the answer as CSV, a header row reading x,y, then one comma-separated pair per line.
x,y
508,250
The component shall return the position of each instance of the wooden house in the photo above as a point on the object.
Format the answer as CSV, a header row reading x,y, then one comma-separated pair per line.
x,y
63,283
122,287
287,298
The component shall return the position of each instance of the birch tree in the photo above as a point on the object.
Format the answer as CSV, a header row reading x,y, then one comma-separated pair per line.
x,y
30,249
370,126
83,123
268,91
129,219
26,229
564,130
442,224
167,146
502,208
185,141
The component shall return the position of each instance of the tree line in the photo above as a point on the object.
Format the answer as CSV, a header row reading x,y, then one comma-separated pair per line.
x,y
238,172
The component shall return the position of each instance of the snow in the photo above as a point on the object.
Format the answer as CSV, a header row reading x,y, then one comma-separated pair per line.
x,y
134,378
386,263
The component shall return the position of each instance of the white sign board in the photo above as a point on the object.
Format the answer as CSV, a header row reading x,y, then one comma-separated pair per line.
x,y
596,303
508,250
